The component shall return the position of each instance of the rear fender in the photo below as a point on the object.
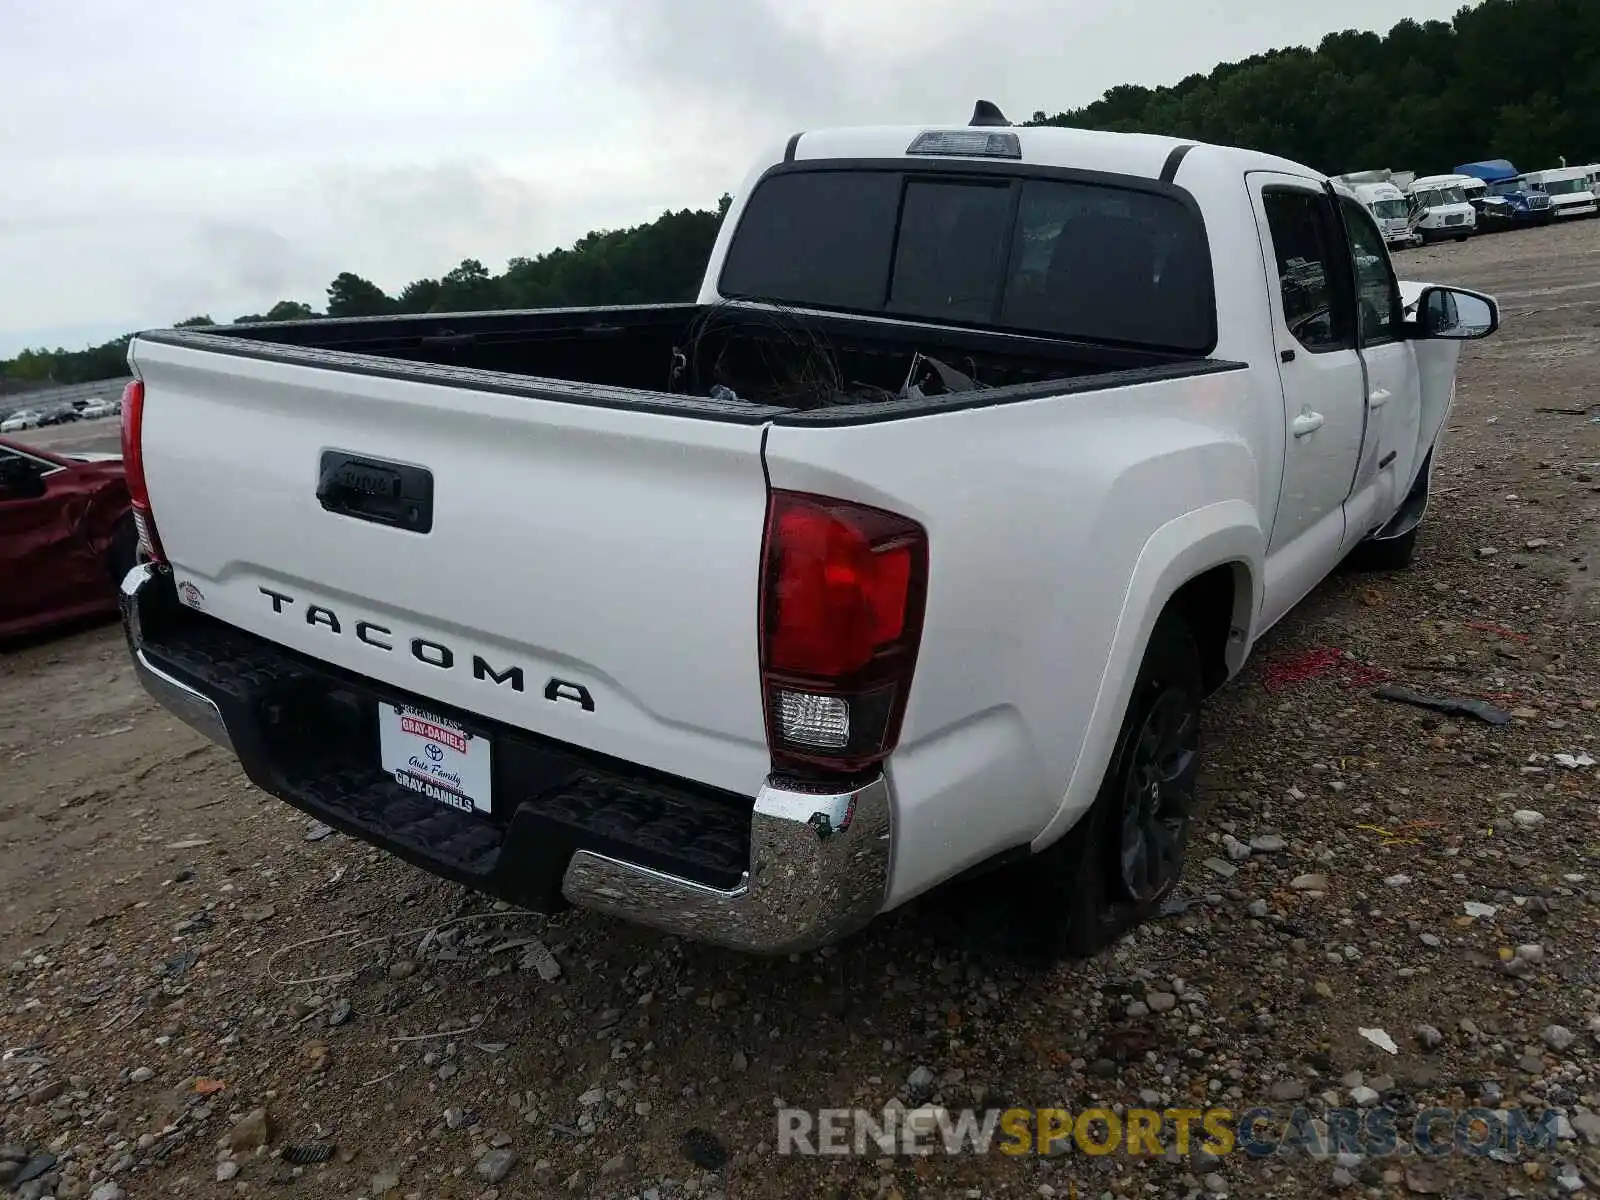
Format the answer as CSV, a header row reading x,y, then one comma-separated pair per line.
x,y
1226,533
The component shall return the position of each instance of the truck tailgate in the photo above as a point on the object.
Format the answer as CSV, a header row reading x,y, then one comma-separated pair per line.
x,y
590,573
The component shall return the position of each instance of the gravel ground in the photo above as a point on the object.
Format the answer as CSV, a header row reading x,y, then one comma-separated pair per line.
x,y
101,436
172,1024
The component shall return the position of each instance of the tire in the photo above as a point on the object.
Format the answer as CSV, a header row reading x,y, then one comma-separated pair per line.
x,y
123,551
1391,554
1100,880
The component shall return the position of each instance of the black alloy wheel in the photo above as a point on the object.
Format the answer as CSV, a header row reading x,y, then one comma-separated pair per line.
x,y
1158,795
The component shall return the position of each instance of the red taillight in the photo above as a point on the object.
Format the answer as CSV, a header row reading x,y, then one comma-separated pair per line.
x,y
133,470
842,594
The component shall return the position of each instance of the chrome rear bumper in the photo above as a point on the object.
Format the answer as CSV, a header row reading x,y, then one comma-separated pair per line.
x,y
819,859
190,706
819,870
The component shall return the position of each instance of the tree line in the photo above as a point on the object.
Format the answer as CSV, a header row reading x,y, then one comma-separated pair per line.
x,y
1517,79
659,261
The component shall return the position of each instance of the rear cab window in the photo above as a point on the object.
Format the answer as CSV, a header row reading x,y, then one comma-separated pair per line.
x,y
1094,260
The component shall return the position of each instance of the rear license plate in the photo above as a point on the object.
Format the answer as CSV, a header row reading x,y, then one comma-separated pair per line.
x,y
435,756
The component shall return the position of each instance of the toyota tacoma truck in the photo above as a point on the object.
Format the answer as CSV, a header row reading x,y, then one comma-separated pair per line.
x,y
907,552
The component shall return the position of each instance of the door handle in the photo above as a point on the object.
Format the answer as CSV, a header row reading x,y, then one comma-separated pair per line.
x,y
1306,422
1378,398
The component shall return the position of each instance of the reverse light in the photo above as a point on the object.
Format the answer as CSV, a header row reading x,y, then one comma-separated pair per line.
x,y
842,594
808,720
133,471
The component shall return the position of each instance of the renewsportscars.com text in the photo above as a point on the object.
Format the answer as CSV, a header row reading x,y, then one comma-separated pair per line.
x,y
1146,1132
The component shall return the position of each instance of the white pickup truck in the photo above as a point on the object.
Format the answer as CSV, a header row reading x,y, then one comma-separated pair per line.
x,y
908,552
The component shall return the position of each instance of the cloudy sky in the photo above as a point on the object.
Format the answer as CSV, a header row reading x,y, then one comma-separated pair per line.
x,y
163,158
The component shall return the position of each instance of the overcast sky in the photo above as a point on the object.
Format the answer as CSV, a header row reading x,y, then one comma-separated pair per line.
x,y
161,158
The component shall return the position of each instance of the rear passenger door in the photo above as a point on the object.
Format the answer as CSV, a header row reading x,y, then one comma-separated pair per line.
x,y
1320,370
1390,381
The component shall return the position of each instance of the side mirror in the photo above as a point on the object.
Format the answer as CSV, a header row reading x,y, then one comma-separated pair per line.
x,y
1456,314
19,482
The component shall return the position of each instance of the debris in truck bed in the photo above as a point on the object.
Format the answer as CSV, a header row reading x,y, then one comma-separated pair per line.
x,y
951,379
738,353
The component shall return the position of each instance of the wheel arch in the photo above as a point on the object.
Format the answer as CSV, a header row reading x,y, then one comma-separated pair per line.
x,y
1218,604
1209,563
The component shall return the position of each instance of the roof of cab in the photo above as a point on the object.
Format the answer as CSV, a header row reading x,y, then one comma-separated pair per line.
x,y
1139,154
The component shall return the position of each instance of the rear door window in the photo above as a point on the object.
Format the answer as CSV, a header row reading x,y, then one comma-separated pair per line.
x,y
1301,223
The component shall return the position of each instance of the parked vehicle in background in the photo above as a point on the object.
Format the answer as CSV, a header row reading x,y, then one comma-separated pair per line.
x,y
1473,189
61,414
66,537
1445,212
1504,200
28,418
1570,189
97,409
820,634
1389,206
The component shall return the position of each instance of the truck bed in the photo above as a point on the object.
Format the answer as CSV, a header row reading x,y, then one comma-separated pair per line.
x,y
742,363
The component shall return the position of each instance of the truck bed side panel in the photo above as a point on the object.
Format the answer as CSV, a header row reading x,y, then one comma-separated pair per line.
x,y
1037,514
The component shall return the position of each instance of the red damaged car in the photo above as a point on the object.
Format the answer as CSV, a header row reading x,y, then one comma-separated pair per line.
x,y
66,536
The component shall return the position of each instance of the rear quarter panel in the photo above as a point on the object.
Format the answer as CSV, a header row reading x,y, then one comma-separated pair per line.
x,y
1041,517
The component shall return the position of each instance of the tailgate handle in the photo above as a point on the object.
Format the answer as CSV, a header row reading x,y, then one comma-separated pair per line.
x,y
376,490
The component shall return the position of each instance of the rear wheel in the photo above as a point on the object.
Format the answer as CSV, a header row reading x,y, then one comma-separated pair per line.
x,y
1125,856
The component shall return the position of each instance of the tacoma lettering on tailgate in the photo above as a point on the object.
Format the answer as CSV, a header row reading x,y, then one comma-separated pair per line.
x,y
434,654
